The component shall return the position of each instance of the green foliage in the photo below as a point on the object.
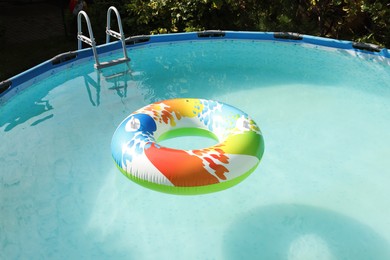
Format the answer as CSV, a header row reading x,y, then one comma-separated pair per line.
x,y
162,16
358,20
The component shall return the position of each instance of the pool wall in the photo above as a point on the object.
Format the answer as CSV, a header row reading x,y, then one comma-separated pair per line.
x,y
14,85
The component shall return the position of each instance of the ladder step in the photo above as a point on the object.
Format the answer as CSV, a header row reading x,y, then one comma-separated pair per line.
x,y
114,34
106,64
85,39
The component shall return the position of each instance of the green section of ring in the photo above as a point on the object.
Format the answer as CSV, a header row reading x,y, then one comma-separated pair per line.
x,y
248,143
187,131
195,190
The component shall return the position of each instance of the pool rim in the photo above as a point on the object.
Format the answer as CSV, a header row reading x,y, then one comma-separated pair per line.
x,y
14,85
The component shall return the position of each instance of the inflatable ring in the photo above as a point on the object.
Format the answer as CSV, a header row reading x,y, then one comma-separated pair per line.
x,y
139,156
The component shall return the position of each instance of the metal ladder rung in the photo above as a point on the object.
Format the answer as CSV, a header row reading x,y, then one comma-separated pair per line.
x,y
85,39
114,34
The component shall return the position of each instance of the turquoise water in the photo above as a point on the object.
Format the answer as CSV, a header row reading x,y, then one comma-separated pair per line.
x,y
320,192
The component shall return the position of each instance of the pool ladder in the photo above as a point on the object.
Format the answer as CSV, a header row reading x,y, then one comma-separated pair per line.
x,y
109,33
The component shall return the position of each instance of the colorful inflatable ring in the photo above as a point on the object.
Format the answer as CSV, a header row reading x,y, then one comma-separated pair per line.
x,y
138,155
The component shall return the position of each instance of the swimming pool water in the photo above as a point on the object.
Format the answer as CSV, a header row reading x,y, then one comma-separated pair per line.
x,y
320,192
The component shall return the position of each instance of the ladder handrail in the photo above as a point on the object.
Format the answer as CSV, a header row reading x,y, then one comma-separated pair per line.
x,y
82,38
119,35
91,40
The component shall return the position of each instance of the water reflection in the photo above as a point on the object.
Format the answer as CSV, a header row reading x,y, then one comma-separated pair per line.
x,y
302,232
37,107
90,85
116,78
38,103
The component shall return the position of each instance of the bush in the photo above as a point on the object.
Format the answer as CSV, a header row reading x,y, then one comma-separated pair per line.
x,y
359,20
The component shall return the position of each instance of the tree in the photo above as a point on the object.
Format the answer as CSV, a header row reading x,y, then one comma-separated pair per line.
x,y
357,20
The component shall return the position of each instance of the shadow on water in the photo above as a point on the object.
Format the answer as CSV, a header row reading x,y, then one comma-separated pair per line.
x,y
37,107
302,232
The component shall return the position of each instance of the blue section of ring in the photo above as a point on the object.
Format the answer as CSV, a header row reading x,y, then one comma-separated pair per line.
x,y
12,85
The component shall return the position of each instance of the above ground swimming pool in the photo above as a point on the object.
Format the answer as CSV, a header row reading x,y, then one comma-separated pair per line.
x,y
321,190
